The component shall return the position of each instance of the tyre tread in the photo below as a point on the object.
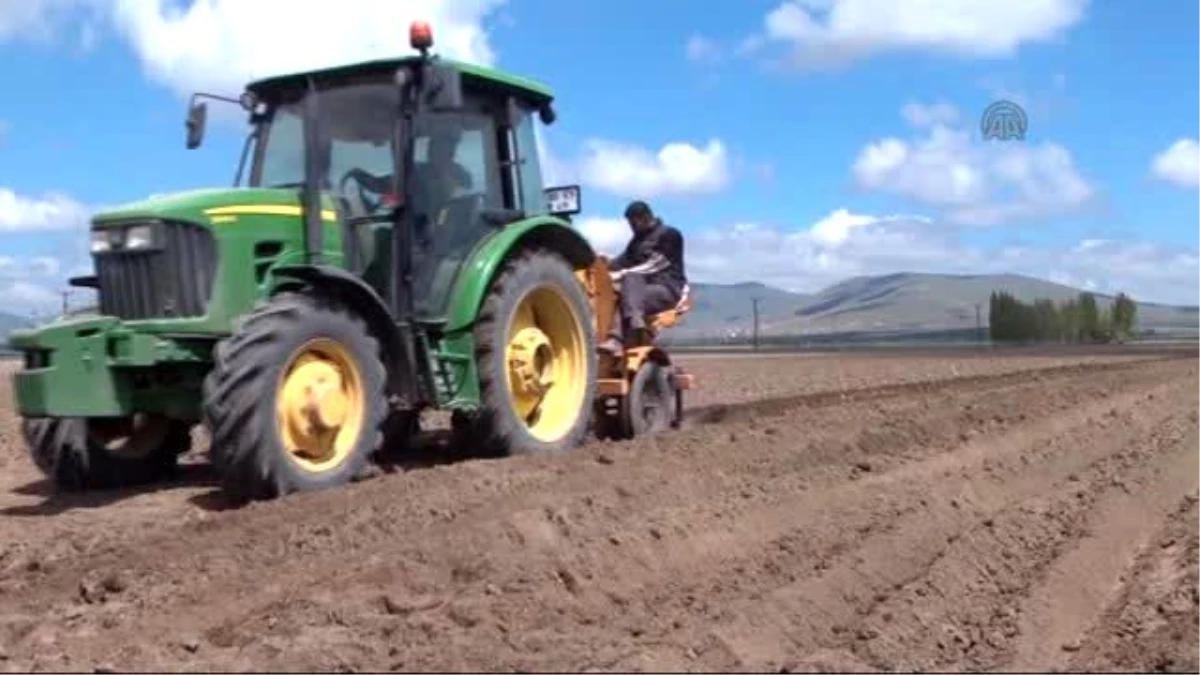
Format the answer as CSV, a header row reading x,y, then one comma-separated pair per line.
x,y
242,444
493,429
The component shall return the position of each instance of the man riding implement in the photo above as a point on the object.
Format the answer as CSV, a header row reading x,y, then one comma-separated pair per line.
x,y
651,274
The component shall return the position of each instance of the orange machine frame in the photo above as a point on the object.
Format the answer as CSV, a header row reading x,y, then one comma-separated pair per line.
x,y
616,374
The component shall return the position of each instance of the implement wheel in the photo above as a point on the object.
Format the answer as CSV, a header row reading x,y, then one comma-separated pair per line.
x,y
79,454
650,406
295,401
537,359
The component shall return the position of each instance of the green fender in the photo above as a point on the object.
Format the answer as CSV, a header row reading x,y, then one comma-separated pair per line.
x,y
481,268
454,353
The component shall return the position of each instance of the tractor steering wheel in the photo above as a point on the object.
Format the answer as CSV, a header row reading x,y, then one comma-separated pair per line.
x,y
371,206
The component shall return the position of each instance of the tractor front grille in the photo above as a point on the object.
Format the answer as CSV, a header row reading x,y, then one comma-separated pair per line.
x,y
173,280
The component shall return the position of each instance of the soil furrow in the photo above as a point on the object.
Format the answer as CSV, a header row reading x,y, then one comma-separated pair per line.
x,y
1151,625
876,515
816,612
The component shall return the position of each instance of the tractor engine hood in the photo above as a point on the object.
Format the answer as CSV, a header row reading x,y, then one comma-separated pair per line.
x,y
203,205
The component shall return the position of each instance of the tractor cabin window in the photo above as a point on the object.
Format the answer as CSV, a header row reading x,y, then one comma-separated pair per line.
x,y
358,121
532,199
456,177
283,149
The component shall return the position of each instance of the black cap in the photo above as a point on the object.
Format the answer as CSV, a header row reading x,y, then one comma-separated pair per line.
x,y
638,208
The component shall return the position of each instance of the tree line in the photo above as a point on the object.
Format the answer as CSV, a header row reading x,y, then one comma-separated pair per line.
x,y
1078,320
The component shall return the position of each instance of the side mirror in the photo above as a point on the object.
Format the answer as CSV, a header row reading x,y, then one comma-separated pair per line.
x,y
563,200
196,120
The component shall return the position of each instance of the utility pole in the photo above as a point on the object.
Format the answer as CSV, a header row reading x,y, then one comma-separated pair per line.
x,y
979,322
65,306
755,337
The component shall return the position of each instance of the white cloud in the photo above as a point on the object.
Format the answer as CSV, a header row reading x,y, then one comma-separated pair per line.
x,y
628,170
50,211
41,20
840,245
218,45
677,168
1179,164
19,18
88,37
824,32
28,298
975,183
924,116
700,49
31,285
607,235
845,244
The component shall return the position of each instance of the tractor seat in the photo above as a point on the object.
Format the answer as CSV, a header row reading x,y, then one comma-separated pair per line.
x,y
670,317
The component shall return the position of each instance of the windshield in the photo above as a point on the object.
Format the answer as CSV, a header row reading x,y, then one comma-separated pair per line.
x,y
455,187
358,119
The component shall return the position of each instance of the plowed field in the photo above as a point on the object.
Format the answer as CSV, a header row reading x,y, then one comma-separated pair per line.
x,y
817,513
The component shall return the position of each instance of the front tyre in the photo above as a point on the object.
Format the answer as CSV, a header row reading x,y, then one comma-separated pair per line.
x,y
296,399
79,454
537,358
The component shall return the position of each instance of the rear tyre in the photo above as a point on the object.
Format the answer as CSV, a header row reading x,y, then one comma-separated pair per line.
x,y
296,399
650,406
79,454
536,355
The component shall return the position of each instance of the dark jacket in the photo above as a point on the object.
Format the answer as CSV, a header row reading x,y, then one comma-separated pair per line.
x,y
656,253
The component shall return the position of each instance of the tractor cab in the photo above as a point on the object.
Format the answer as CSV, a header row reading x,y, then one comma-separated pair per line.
x,y
448,147
408,163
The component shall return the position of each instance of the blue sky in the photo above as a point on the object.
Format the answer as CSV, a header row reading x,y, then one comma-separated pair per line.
x,y
795,143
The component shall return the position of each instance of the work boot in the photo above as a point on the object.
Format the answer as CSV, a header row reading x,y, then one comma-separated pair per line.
x,y
612,347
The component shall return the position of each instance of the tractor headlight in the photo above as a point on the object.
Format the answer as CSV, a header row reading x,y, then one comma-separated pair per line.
x,y
132,238
101,243
139,237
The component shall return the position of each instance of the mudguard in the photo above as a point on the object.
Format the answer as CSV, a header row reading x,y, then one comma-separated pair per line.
x,y
359,295
475,277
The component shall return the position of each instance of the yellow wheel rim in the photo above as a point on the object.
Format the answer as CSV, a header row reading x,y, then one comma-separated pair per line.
x,y
546,363
319,405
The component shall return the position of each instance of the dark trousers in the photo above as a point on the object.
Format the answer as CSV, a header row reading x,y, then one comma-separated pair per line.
x,y
637,299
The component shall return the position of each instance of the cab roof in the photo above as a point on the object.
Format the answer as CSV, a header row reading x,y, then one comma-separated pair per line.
x,y
475,76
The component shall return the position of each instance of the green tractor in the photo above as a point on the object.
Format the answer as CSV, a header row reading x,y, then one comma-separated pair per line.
x,y
390,250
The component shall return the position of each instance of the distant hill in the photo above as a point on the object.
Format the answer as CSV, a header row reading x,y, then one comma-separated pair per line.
x,y
903,302
906,302
717,307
